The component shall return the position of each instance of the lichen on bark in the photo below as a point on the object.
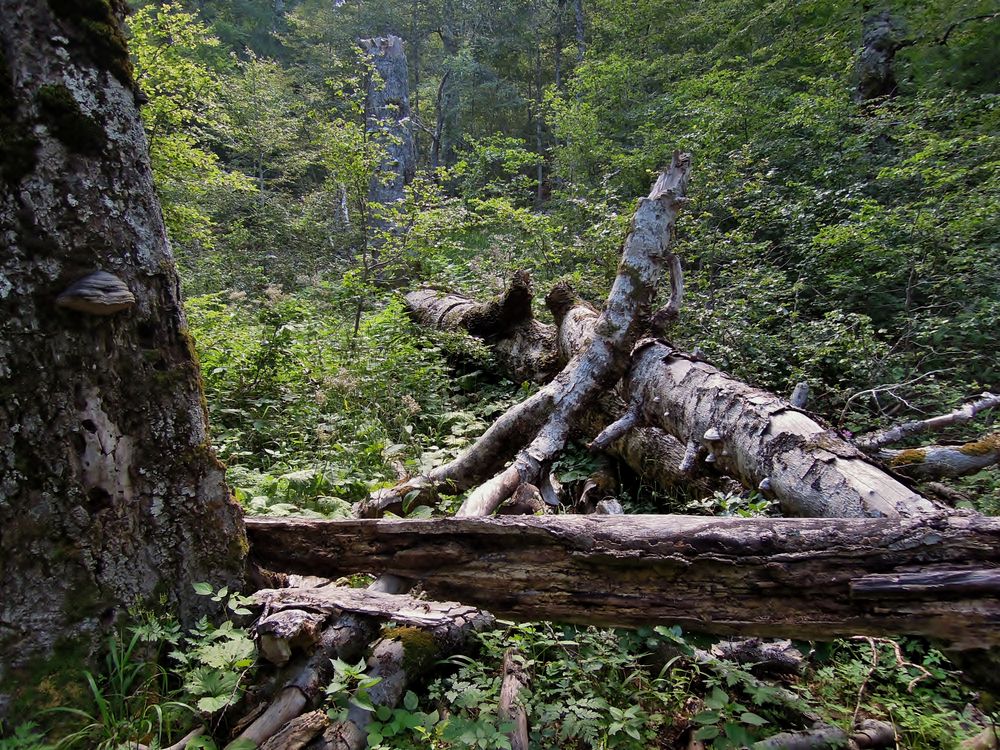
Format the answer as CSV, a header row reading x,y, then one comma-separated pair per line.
x,y
110,493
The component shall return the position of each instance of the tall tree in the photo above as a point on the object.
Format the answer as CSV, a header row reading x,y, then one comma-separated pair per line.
x,y
110,493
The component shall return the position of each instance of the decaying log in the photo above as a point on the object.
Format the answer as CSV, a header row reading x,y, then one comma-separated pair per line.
x,y
810,470
344,638
600,364
402,654
765,443
401,608
936,576
529,353
869,734
825,738
299,732
936,461
777,657
875,440
511,708
281,632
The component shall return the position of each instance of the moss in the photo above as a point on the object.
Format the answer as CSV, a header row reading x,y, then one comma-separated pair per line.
x,y
17,143
95,25
419,648
908,457
985,447
61,113
51,681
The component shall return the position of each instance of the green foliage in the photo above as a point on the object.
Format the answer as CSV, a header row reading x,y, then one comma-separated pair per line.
x,y
922,694
743,505
156,683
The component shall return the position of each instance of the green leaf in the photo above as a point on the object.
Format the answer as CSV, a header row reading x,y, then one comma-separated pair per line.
x,y
203,589
717,700
410,701
706,733
706,717
753,719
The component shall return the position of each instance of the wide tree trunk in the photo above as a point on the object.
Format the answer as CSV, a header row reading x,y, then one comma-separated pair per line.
x,y
935,576
110,493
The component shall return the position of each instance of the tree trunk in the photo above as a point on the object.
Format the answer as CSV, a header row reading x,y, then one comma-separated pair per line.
x,y
110,493
801,578
761,440
880,41
387,121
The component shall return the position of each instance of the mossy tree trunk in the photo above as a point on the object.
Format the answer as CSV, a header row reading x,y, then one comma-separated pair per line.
x,y
109,491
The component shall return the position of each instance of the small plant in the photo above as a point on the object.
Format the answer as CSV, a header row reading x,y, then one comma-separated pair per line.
x,y
727,722
718,503
349,687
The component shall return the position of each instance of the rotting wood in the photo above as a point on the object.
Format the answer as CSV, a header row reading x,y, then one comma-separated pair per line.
x,y
936,576
777,657
600,364
299,732
765,443
936,461
400,656
511,707
279,633
336,600
810,470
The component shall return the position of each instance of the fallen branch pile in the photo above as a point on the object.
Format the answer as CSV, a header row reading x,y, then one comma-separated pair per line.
x,y
895,562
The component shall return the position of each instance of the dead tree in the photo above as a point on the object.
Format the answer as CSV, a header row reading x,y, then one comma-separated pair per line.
x,y
936,576
899,565
387,123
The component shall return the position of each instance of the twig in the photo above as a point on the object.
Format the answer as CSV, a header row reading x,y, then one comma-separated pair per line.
x,y
966,413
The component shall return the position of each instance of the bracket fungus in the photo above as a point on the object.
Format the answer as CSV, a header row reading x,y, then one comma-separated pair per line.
x,y
99,293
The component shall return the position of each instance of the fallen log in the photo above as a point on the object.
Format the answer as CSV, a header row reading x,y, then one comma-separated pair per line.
x,y
935,576
936,461
966,413
404,609
763,441
401,655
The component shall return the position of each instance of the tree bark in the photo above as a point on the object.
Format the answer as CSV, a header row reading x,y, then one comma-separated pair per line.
x,y
109,490
936,461
936,576
880,41
387,121
511,708
811,471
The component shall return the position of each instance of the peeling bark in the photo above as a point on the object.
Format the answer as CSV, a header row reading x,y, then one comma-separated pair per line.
x,y
810,470
935,576
110,493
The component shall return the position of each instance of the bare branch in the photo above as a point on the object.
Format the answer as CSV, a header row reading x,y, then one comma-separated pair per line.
x,y
875,440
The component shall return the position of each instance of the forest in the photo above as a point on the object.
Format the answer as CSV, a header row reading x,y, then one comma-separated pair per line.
x,y
547,374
